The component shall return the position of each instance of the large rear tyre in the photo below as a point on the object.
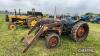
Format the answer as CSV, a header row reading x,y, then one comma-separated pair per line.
x,y
80,31
52,40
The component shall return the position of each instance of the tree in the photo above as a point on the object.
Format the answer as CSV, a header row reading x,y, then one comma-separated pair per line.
x,y
89,13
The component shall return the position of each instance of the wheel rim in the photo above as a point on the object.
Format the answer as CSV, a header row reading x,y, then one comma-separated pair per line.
x,y
53,41
12,27
80,32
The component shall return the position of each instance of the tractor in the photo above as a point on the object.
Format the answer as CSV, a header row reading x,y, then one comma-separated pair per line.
x,y
15,19
53,29
86,18
92,18
96,20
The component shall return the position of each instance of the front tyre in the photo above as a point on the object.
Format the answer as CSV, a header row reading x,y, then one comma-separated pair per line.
x,y
52,40
11,26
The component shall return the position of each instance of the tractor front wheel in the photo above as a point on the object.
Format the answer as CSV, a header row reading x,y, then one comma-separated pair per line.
x,y
11,26
52,40
80,31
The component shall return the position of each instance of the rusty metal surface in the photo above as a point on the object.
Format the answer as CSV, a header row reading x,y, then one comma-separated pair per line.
x,y
43,28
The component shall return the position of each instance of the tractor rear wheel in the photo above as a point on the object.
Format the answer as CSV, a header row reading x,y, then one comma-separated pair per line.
x,y
80,31
11,26
52,40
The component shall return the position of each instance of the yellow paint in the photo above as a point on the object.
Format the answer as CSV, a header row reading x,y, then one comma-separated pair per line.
x,y
33,23
45,17
45,28
18,16
12,27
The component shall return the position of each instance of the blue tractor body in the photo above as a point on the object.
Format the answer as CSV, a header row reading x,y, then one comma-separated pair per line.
x,y
97,20
86,18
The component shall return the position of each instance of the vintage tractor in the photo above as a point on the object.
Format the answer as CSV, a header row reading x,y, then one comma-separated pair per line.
x,y
96,20
53,29
28,19
92,18
86,18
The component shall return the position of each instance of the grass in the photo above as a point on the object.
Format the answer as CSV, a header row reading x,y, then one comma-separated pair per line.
x,y
10,44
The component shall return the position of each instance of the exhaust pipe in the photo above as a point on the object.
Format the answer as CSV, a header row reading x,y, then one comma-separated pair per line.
x,y
15,12
33,12
19,12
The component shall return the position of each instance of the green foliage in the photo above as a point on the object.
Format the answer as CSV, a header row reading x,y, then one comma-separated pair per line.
x,y
2,12
89,13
